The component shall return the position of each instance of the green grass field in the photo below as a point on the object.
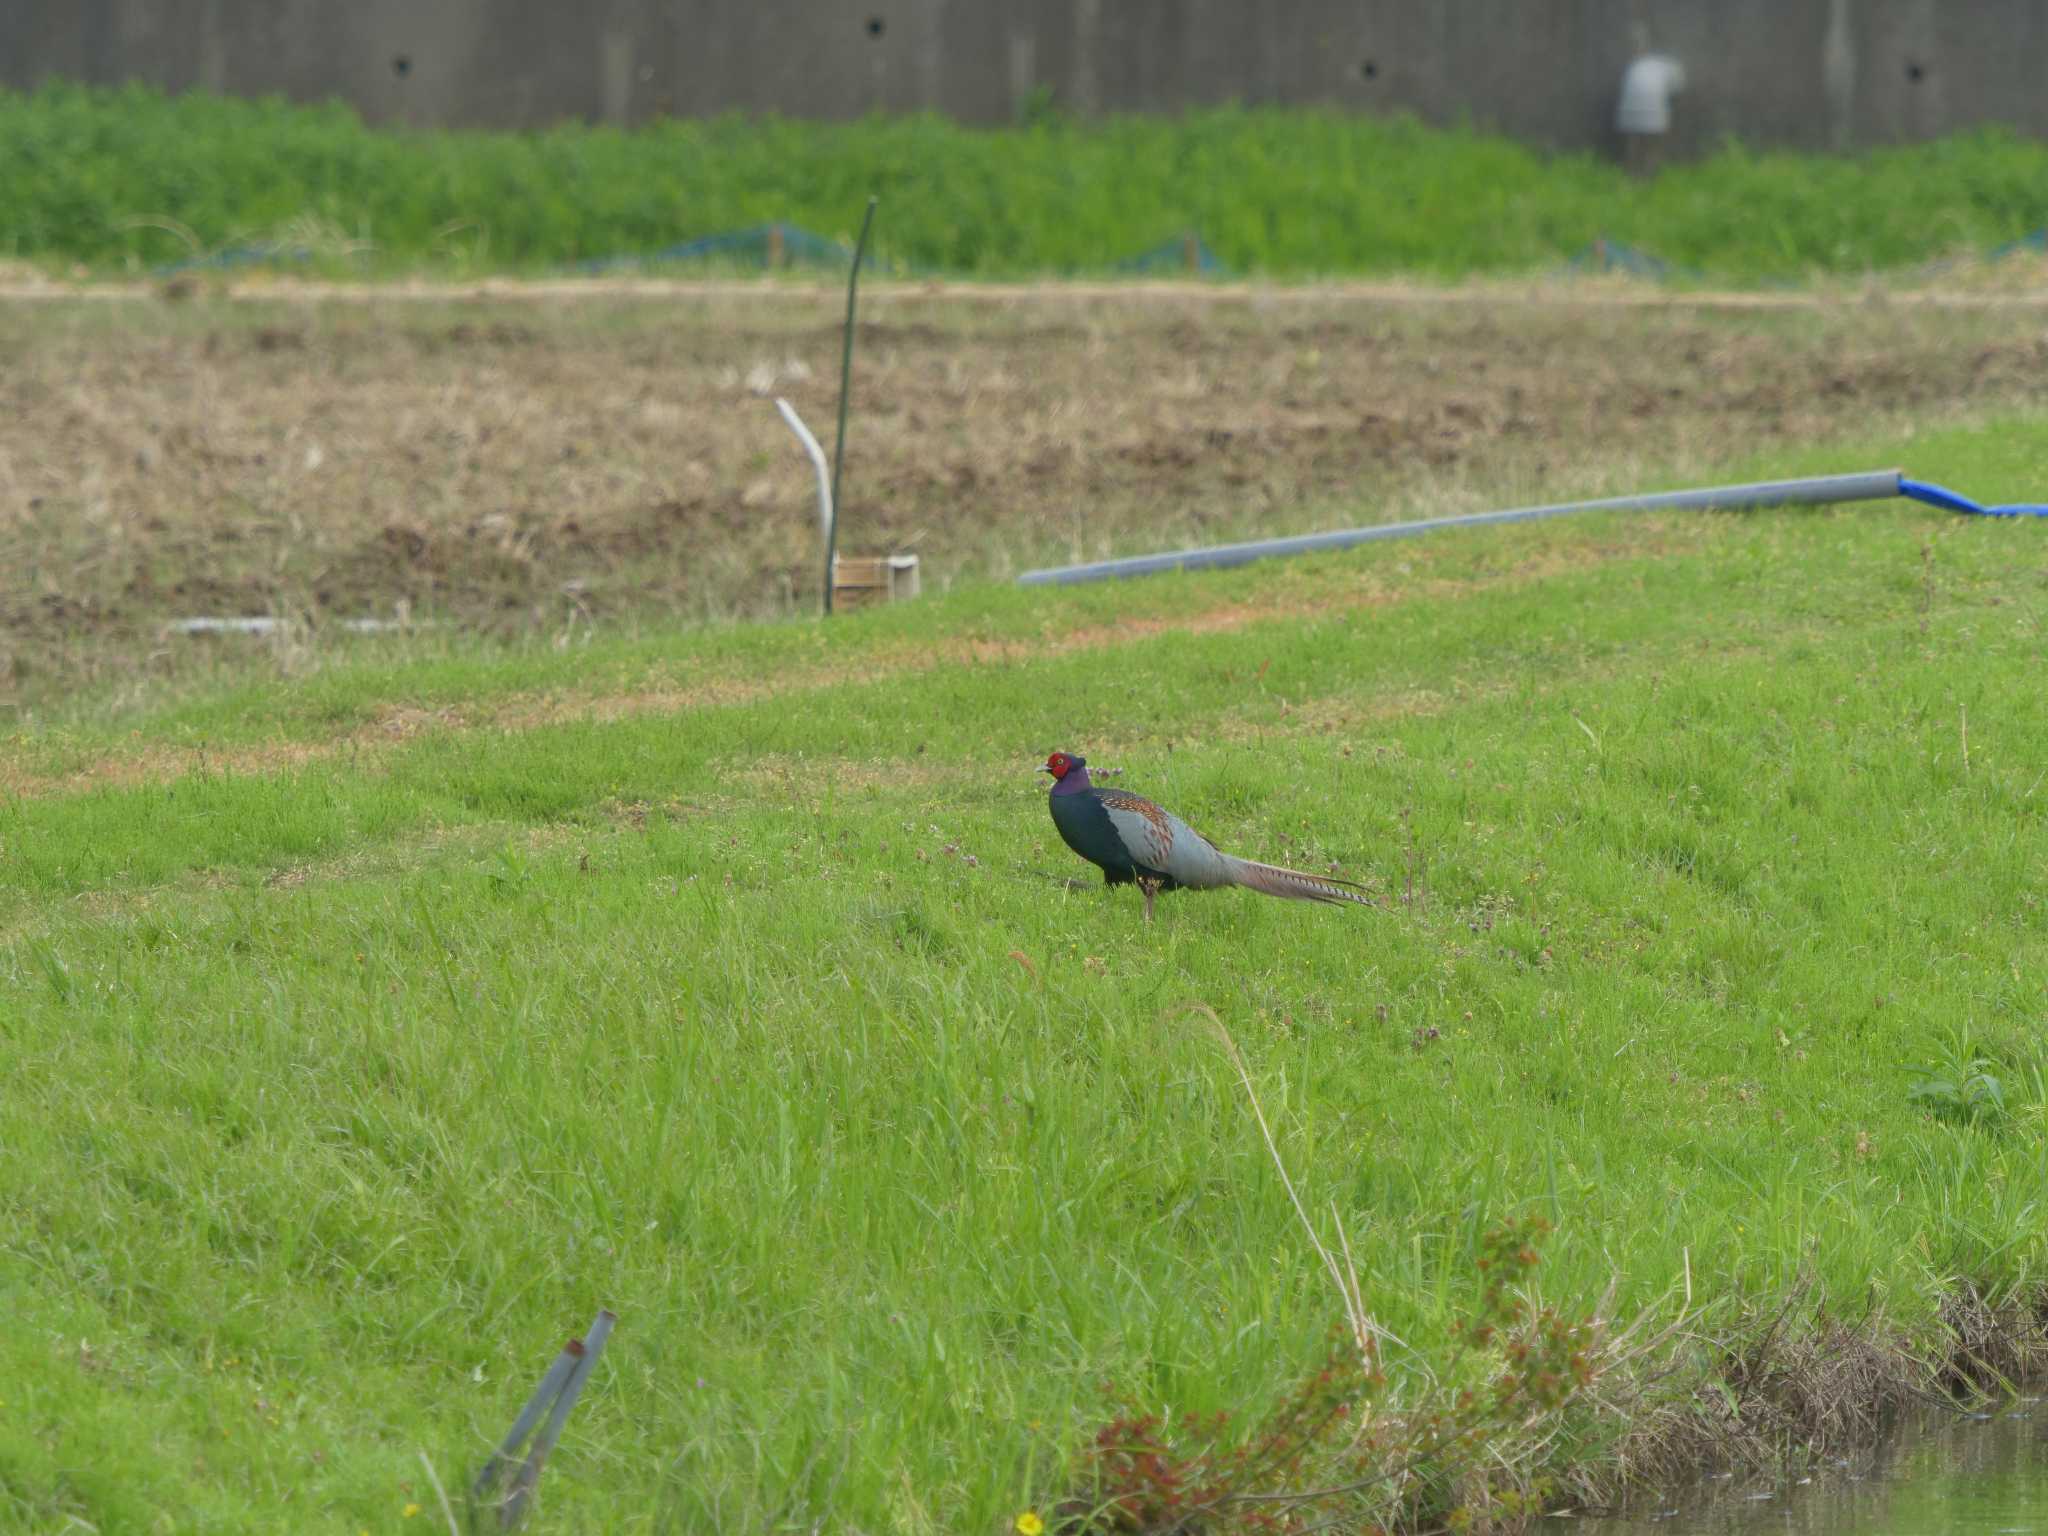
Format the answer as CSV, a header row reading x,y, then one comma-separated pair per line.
x,y
739,982
129,177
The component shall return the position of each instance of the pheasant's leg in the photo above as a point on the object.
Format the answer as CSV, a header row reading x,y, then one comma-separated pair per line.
x,y
1151,888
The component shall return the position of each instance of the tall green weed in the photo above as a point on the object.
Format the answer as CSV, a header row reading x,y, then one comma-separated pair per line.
x,y
131,177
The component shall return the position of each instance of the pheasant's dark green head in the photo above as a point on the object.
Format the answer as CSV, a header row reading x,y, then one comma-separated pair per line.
x,y
1060,764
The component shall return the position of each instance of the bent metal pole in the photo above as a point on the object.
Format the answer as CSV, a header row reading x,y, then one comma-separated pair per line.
x,y
1876,485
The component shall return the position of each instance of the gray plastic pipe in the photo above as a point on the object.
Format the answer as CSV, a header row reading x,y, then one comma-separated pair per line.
x,y
818,464
1876,485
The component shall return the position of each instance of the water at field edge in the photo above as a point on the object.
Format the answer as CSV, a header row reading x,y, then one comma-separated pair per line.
x,y
1984,1475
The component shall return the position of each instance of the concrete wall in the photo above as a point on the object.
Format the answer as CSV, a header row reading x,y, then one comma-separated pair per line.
x,y
1803,73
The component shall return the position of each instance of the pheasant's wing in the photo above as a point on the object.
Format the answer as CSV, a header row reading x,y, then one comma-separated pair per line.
x,y
1196,863
1146,830
1161,842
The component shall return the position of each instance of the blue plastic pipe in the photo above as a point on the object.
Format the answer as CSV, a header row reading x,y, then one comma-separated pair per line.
x,y
1875,485
1939,496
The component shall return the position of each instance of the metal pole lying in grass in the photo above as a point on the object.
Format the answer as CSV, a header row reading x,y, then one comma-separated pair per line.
x,y
557,1391
860,249
1877,485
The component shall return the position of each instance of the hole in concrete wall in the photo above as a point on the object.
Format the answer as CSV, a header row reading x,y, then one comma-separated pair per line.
x,y
401,65
1915,72
876,26
1369,70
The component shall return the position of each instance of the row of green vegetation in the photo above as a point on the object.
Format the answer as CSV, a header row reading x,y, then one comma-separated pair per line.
x,y
114,178
752,1001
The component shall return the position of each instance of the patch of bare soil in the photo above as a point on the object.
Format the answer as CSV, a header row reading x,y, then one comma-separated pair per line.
x,y
158,765
510,465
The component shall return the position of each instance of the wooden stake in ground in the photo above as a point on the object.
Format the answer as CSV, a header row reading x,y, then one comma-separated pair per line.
x,y
845,384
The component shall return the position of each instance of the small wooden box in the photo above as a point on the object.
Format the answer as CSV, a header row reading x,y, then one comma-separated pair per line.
x,y
859,579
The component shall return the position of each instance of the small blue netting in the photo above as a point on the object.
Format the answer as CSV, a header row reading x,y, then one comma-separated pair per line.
x,y
2037,241
759,245
1189,253
234,256
1606,255
787,244
799,247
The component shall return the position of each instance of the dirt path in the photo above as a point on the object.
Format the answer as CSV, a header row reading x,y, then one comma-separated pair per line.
x,y
1567,292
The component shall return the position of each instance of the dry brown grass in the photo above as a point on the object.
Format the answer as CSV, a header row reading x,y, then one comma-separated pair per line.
x,y
1799,1390
520,466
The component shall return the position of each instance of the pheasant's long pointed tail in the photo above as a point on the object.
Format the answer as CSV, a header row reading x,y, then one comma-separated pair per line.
x,y
1293,884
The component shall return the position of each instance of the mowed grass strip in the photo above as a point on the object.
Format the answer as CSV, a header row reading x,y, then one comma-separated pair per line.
x,y
336,1096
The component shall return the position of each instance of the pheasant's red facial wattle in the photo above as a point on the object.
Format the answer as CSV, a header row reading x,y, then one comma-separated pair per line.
x,y
1059,765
